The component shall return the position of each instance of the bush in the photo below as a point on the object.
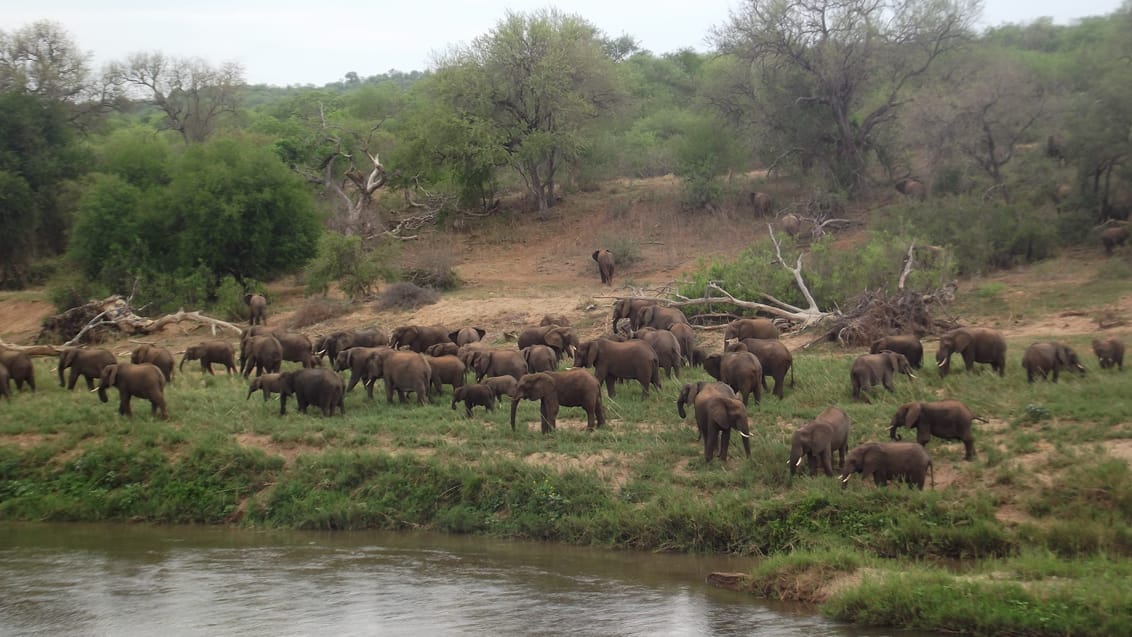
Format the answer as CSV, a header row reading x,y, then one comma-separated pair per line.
x,y
406,296
432,267
343,259
316,311
626,251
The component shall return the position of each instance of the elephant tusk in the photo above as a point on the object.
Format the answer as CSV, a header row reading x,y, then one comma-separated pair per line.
x,y
911,375
744,435
940,364
95,389
846,478
799,463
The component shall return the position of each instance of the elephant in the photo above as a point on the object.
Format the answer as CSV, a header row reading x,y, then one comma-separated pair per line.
x,y
472,395
20,368
741,370
632,359
312,386
257,309
667,348
356,359
5,383
687,339
498,362
268,383
1110,352
144,380
443,349
716,416
466,335
870,369
418,338
569,388
605,264
502,385
946,419
1042,358
1055,147
560,338
816,441
446,370
761,203
662,318
209,352
698,357
775,359
886,461
907,344
297,348
750,328
975,345
540,358
340,341
790,224
912,188
404,372
84,362
554,319
159,356
628,309
263,353
689,392
1113,237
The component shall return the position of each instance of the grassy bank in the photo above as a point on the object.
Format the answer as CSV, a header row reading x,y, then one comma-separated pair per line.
x,y
1042,519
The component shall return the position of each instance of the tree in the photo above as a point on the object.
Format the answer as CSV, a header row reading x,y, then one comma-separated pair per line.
x,y
538,80
193,96
848,64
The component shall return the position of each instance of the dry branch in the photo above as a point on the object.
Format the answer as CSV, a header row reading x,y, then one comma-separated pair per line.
x,y
97,320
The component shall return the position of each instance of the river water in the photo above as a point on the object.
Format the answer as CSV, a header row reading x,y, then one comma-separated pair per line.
x,y
80,579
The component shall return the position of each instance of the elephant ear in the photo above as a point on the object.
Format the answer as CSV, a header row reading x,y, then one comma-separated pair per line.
x,y
912,414
1062,354
554,338
591,353
481,362
595,254
110,375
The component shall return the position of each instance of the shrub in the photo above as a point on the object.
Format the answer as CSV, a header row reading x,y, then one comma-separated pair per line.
x,y
317,310
406,296
343,259
626,251
432,267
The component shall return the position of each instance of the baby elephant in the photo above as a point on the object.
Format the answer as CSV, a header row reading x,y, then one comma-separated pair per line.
x,y
1110,352
872,369
946,419
816,440
1043,358
502,386
269,383
884,461
472,395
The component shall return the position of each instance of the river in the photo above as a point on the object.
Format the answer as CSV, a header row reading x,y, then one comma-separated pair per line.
x,y
84,579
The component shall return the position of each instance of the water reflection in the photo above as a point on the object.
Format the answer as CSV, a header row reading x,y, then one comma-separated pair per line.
x,y
119,580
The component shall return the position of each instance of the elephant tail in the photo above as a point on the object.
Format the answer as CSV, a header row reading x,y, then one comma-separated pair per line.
x,y
931,472
791,375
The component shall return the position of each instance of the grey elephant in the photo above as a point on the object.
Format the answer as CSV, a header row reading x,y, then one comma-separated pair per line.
x,y
569,388
156,355
313,386
872,369
466,335
690,391
975,345
446,370
775,359
143,380
404,372
554,319
561,338
686,336
761,203
501,385
418,338
473,395
790,224
605,263
257,309
629,309
912,188
267,383
883,461
816,441
297,348
498,362
540,358
1109,352
20,368
1040,359
263,353
337,342
944,419
612,360
662,318
741,370
209,352
85,362
5,383
443,349
907,344
667,348
356,359
1113,237
716,416
750,328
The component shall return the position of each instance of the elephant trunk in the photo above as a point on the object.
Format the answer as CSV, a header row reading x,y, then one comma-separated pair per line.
x,y
514,407
181,367
892,433
102,392
845,480
680,408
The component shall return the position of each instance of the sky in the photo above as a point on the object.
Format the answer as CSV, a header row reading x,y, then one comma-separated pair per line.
x,y
286,42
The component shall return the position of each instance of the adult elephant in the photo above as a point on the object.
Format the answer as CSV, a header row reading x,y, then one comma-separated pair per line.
x,y
143,380
85,362
912,188
1109,352
775,359
816,441
716,416
404,372
667,348
262,353
604,259
344,340
741,370
268,384
612,360
356,359
689,392
147,353
569,388
257,309
686,336
1113,237
297,348
20,368
466,335
761,203
209,352
873,369
312,386
790,224
1040,359
975,345
907,344
884,461
418,338
944,419
540,358
498,362
662,318
446,370
561,338
750,328
629,309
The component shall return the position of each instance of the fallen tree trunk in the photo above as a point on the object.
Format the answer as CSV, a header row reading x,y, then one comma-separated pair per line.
x,y
97,321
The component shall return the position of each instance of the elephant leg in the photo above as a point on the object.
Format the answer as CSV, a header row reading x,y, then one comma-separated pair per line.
x,y
388,392
724,444
124,404
812,462
89,382
969,448
468,407
1056,371
827,462
779,382
610,385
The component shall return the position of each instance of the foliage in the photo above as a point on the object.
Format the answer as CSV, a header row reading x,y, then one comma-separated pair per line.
x,y
406,296
706,150
317,310
343,259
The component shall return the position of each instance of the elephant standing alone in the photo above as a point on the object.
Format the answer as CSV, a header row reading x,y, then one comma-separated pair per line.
x,y
257,309
1042,358
605,265
209,352
946,419
1110,352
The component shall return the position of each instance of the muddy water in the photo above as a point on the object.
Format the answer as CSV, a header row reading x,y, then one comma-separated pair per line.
x,y
121,580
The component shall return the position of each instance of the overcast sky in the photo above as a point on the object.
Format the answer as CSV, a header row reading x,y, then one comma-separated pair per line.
x,y
287,42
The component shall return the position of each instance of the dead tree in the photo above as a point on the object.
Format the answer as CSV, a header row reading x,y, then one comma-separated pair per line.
x,y
115,315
